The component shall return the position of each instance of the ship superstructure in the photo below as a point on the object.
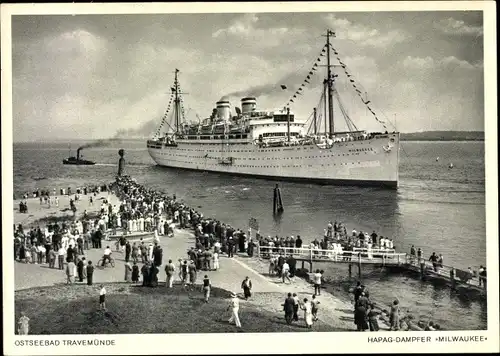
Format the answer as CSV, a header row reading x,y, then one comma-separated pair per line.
x,y
245,140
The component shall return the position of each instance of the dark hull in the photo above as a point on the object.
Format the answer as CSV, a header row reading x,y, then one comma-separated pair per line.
x,y
318,181
78,163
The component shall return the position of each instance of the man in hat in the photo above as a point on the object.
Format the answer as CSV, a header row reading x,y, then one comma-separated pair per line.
x,y
246,285
169,270
234,305
288,307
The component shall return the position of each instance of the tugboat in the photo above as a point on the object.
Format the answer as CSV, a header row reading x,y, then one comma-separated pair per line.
x,y
77,160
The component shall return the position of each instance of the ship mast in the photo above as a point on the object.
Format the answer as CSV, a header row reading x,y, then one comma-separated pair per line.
x,y
176,102
330,83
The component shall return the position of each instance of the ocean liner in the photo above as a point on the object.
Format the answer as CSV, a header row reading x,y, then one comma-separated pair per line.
x,y
276,144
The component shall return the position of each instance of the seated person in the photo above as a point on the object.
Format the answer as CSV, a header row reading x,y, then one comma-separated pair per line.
x,y
106,256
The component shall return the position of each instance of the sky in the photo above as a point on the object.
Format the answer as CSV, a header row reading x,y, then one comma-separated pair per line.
x,y
96,76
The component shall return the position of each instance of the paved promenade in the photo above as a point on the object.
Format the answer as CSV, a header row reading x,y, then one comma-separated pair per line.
x,y
268,292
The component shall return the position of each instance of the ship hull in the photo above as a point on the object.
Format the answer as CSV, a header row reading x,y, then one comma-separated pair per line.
x,y
372,162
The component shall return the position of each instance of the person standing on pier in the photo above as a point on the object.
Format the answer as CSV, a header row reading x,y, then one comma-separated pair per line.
x,y
128,250
315,307
308,317
80,267
317,282
60,255
102,298
216,260
192,273
169,270
246,285
288,308
285,272
234,305
440,261
296,306
23,325
145,274
413,253
128,272
419,254
70,271
434,260
357,292
90,273
394,316
135,273
206,288
373,318
52,258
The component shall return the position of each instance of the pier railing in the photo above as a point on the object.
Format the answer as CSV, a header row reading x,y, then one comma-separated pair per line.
x,y
375,256
447,272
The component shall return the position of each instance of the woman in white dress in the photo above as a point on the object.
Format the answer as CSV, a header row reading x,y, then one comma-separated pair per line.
x,y
308,317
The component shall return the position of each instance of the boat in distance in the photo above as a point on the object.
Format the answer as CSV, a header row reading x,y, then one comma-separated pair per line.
x,y
78,161
276,145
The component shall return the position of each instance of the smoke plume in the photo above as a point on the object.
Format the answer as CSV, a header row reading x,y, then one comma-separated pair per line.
x,y
290,80
100,143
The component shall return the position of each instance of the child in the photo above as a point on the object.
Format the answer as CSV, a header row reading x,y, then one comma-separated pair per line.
x,y
135,273
102,298
23,324
27,255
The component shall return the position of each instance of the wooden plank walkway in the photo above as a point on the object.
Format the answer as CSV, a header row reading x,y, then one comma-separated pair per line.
x,y
380,257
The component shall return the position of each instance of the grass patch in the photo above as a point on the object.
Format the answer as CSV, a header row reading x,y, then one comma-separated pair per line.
x,y
141,310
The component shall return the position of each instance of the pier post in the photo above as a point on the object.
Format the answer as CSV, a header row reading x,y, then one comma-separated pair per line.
x,y
302,264
350,270
359,264
452,278
310,259
422,269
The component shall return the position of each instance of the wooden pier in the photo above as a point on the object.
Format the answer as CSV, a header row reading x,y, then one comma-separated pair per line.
x,y
388,258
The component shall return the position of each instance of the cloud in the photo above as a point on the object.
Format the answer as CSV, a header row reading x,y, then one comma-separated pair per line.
x,y
246,28
242,26
452,26
363,35
418,62
450,62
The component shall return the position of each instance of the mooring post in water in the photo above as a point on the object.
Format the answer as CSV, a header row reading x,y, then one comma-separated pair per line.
x,y
350,270
121,162
277,202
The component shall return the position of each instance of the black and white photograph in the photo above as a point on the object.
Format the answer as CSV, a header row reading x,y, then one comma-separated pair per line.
x,y
242,172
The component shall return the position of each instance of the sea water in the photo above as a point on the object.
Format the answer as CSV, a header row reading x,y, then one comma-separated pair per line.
x,y
436,208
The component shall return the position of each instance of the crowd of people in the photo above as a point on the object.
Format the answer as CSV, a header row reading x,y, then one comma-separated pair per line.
x,y
146,210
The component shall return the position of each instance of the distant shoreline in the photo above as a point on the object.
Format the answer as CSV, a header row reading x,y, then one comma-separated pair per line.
x,y
443,136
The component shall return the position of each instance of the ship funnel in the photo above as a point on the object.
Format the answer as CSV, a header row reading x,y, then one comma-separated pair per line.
x,y
78,154
248,104
223,109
